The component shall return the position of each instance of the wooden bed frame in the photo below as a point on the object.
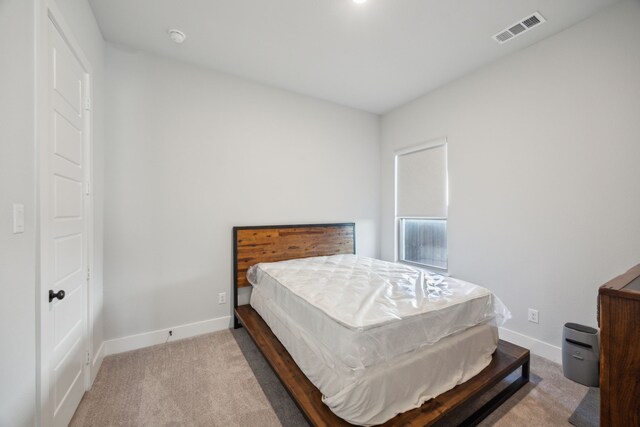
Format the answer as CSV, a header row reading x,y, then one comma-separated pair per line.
x,y
255,244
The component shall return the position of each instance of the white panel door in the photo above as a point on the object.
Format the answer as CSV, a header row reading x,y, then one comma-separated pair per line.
x,y
64,232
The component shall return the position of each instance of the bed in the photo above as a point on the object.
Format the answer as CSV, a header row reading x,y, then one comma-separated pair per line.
x,y
368,369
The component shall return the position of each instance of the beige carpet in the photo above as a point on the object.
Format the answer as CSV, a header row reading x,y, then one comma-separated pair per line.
x,y
548,399
202,381
207,381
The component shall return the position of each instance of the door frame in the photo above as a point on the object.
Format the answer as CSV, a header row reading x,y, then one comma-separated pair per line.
x,y
45,11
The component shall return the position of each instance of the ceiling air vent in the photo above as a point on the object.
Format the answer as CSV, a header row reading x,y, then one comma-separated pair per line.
x,y
530,22
503,37
519,27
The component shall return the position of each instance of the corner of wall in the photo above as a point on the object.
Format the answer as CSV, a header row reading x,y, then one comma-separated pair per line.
x,y
537,347
161,336
96,363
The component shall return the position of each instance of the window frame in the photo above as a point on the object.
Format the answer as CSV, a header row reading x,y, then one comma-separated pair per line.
x,y
398,231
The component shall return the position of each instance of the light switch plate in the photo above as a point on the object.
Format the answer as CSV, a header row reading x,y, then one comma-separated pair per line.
x,y
18,218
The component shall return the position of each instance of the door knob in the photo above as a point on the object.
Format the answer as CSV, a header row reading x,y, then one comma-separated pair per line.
x,y
52,295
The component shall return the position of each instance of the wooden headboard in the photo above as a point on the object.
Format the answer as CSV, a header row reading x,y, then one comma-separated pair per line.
x,y
271,243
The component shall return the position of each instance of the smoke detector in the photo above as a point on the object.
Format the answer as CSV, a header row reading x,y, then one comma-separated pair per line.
x,y
520,27
177,36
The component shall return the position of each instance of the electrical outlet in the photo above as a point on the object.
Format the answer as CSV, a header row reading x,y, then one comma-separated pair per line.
x,y
222,298
533,316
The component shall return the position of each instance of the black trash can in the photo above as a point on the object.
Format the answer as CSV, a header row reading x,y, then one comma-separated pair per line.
x,y
581,354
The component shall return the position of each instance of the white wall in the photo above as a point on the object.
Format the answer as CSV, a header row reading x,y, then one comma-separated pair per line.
x,y
190,153
544,148
17,185
79,16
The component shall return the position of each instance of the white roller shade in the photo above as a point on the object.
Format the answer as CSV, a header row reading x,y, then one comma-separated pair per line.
x,y
422,183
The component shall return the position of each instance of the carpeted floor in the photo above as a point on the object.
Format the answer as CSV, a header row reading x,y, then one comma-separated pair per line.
x,y
221,379
202,381
548,399
587,414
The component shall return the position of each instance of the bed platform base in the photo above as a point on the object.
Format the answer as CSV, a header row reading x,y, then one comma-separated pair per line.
x,y
447,409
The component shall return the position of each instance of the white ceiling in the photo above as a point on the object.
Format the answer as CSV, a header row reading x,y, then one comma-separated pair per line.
x,y
373,56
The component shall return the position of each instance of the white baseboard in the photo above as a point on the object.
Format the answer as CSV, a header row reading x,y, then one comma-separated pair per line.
x,y
97,362
537,347
147,339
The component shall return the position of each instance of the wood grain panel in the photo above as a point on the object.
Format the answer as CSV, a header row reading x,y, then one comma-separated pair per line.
x,y
625,354
253,245
507,358
620,350
622,282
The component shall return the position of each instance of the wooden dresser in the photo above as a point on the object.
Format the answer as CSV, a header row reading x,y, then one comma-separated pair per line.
x,y
619,307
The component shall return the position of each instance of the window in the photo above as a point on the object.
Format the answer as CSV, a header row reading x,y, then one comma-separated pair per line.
x,y
422,204
424,241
